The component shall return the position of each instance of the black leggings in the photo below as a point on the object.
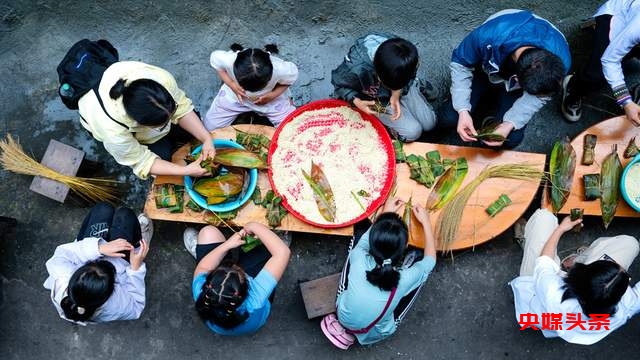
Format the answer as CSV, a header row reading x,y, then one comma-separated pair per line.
x,y
103,221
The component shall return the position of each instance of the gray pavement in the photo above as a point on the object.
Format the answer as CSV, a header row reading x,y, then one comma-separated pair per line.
x,y
466,309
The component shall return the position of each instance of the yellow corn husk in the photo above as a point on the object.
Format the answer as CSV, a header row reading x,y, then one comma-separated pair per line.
x,y
449,220
239,158
588,149
632,149
561,168
212,200
609,180
448,184
14,159
225,186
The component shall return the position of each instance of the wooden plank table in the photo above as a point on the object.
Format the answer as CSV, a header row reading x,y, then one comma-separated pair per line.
x,y
617,130
476,227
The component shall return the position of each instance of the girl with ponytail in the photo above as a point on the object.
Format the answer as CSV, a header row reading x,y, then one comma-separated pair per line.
x,y
233,289
381,278
141,117
253,80
100,276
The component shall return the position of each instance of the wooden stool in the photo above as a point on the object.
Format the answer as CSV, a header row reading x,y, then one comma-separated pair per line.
x,y
62,158
319,295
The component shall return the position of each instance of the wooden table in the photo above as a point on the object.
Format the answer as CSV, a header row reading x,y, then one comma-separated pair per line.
x,y
477,227
616,130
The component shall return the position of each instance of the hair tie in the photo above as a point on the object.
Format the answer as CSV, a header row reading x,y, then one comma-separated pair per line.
x,y
386,262
80,310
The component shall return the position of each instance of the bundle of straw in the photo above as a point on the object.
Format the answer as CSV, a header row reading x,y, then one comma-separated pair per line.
x,y
14,159
449,220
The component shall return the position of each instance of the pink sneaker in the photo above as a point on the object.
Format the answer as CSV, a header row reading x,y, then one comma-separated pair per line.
x,y
336,333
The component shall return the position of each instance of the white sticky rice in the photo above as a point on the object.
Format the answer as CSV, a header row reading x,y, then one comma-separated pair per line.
x,y
632,184
347,148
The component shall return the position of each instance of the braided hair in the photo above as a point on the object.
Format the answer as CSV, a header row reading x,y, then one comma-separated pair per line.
x,y
224,290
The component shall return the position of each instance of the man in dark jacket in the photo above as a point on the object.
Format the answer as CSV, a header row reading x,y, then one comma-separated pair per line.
x,y
377,77
514,54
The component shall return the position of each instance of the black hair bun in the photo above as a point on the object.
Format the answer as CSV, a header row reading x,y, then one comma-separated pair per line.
x,y
237,47
272,48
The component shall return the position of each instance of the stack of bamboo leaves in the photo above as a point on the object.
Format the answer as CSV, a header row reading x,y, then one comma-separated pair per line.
x,y
14,159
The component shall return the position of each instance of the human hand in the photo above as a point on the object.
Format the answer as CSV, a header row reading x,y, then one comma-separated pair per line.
x,y
422,215
265,99
208,150
393,204
137,256
114,248
239,91
194,169
365,106
237,239
567,224
503,129
465,126
632,110
394,103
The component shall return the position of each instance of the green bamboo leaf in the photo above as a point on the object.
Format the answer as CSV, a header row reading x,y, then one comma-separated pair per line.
x,y
322,192
610,179
561,168
448,184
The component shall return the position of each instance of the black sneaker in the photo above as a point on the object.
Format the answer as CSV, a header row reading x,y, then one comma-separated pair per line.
x,y
427,90
571,104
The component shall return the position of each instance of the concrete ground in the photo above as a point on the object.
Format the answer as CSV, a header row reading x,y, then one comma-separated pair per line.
x,y
466,309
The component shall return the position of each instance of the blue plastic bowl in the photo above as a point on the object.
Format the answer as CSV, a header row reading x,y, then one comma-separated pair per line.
x,y
232,203
623,188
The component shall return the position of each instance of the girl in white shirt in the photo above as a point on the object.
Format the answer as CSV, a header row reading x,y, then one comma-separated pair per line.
x,y
100,277
597,285
254,80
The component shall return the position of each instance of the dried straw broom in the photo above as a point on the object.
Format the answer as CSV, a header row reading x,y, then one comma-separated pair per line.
x,y
14,159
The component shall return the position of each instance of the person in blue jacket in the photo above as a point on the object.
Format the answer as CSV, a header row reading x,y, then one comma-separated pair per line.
x,y
514,56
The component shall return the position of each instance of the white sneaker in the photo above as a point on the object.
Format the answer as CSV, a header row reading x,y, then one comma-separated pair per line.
x,y
190,239
146,227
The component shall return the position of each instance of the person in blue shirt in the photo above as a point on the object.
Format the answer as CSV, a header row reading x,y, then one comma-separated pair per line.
x,y
514,61
381,279
233,298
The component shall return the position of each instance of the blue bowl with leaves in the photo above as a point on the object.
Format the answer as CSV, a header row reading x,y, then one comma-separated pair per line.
x,y
233,202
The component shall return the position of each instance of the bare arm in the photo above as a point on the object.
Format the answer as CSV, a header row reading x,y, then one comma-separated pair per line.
x,y
551,246
193,125
163,167
213,259
280,252
429,239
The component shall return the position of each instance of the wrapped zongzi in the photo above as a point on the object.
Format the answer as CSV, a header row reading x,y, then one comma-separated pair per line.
x,y
609,181
588,149
561,168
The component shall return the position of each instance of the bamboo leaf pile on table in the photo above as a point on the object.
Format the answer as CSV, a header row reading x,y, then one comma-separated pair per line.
x,y
495,207
399,151
420,171
192,205
256,143
588,149
435,162
561,168
221,218
451,215
322,193
632,149
609,180
448,184
275,211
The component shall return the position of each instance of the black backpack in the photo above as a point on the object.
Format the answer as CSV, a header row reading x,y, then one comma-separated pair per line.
x,y
81,69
